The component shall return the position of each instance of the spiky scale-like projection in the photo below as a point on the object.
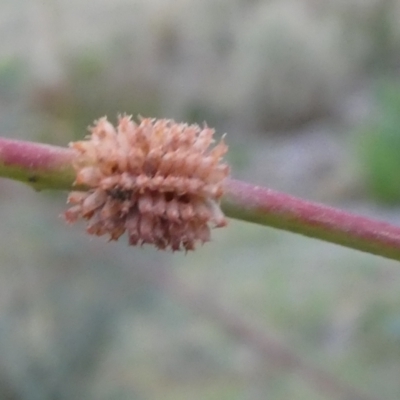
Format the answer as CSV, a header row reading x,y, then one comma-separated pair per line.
x,y
158,180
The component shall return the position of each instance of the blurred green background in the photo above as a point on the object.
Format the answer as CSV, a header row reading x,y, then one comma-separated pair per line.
x,y
309,93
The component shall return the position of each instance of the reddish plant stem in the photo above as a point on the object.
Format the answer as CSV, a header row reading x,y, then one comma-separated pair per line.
x,y
268,207
50,167
40,165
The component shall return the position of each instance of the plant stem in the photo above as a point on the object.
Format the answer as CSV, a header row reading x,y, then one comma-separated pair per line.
x,y
50,167
268,207
39,165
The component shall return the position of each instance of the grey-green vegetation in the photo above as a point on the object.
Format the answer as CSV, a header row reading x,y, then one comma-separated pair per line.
x,y
379,143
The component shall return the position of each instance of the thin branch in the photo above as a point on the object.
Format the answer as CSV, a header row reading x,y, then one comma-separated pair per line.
x,y
268,207
39,165
49,167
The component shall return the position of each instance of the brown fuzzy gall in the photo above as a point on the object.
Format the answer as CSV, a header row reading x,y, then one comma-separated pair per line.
x,y
158,180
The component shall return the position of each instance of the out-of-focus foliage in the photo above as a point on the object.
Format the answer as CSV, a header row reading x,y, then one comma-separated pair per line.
x,y
262,64
379,143
290,65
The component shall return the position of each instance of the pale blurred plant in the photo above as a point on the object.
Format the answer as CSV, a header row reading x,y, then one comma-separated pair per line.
x,y
265,64
289,66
